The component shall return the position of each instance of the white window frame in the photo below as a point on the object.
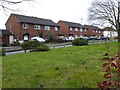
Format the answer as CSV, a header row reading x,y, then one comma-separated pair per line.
x,y
85,30
76,29
37,27
81,29
47,28
25,26
70,28
10,26
56,28
96,31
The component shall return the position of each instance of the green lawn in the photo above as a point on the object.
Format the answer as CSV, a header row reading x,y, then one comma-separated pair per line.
x,y
68,67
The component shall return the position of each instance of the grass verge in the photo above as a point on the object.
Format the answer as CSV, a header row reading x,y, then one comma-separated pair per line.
x,y
68,67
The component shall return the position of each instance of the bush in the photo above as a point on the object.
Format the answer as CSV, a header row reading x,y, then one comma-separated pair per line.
x,y
2,52
80,42
26,45
34,46
42,47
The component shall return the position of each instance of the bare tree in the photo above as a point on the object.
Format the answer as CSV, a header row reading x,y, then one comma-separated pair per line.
x,y
5,4
106,11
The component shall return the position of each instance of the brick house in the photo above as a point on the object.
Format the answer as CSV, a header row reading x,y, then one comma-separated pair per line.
x,y
70,28
6,36
26,27
78,30
94,31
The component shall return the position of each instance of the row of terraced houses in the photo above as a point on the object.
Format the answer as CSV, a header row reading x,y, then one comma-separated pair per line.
x,y
21,27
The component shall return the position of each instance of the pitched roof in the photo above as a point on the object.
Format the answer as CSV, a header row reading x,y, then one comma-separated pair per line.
x,y
72,24
6,32
109,29
34,20
94,27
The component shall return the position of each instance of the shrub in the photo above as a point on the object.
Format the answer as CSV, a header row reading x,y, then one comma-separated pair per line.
x,y
2,52
26,45
42,47
80,42
34,46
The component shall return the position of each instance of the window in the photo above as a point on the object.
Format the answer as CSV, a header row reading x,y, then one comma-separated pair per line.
x,y
47,27
25,26
81,29
76,29
37,27
70,28
93,31
10,26
85,30
99,32
56,28
37,35
96,31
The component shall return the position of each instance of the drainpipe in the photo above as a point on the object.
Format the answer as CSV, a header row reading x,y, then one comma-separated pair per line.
x,y
20,31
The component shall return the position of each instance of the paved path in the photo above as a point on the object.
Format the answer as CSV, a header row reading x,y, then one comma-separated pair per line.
x,y
17,48
16,52
52,46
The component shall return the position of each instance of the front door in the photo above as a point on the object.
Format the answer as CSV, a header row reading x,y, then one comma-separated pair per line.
x,y
26,37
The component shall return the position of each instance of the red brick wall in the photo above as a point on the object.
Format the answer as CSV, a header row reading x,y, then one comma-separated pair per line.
x,y
64,29
15,25
91,33
34,32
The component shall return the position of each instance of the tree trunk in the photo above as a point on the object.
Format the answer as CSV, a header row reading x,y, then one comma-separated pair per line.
x,y
119,41
119,28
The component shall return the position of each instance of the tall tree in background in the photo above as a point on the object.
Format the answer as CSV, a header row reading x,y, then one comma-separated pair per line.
x,y
5,4
106,11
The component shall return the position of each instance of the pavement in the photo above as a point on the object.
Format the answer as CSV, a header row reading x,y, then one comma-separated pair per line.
x,y
18,48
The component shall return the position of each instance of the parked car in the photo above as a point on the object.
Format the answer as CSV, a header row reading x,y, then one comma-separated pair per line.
x,y
91,38
71,38
38,39
85,38
105,38
66,39
98,38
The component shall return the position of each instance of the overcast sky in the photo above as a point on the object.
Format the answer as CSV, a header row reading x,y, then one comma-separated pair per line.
x,y
67,10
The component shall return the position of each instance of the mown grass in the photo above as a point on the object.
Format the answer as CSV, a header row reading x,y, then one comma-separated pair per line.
x,y
68,67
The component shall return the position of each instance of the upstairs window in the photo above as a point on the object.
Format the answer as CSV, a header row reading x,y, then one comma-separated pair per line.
x,y
25,26
10,26
93,31
85,30
76,29
96,31
56,28
37,27
70,28
81,30
47,27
